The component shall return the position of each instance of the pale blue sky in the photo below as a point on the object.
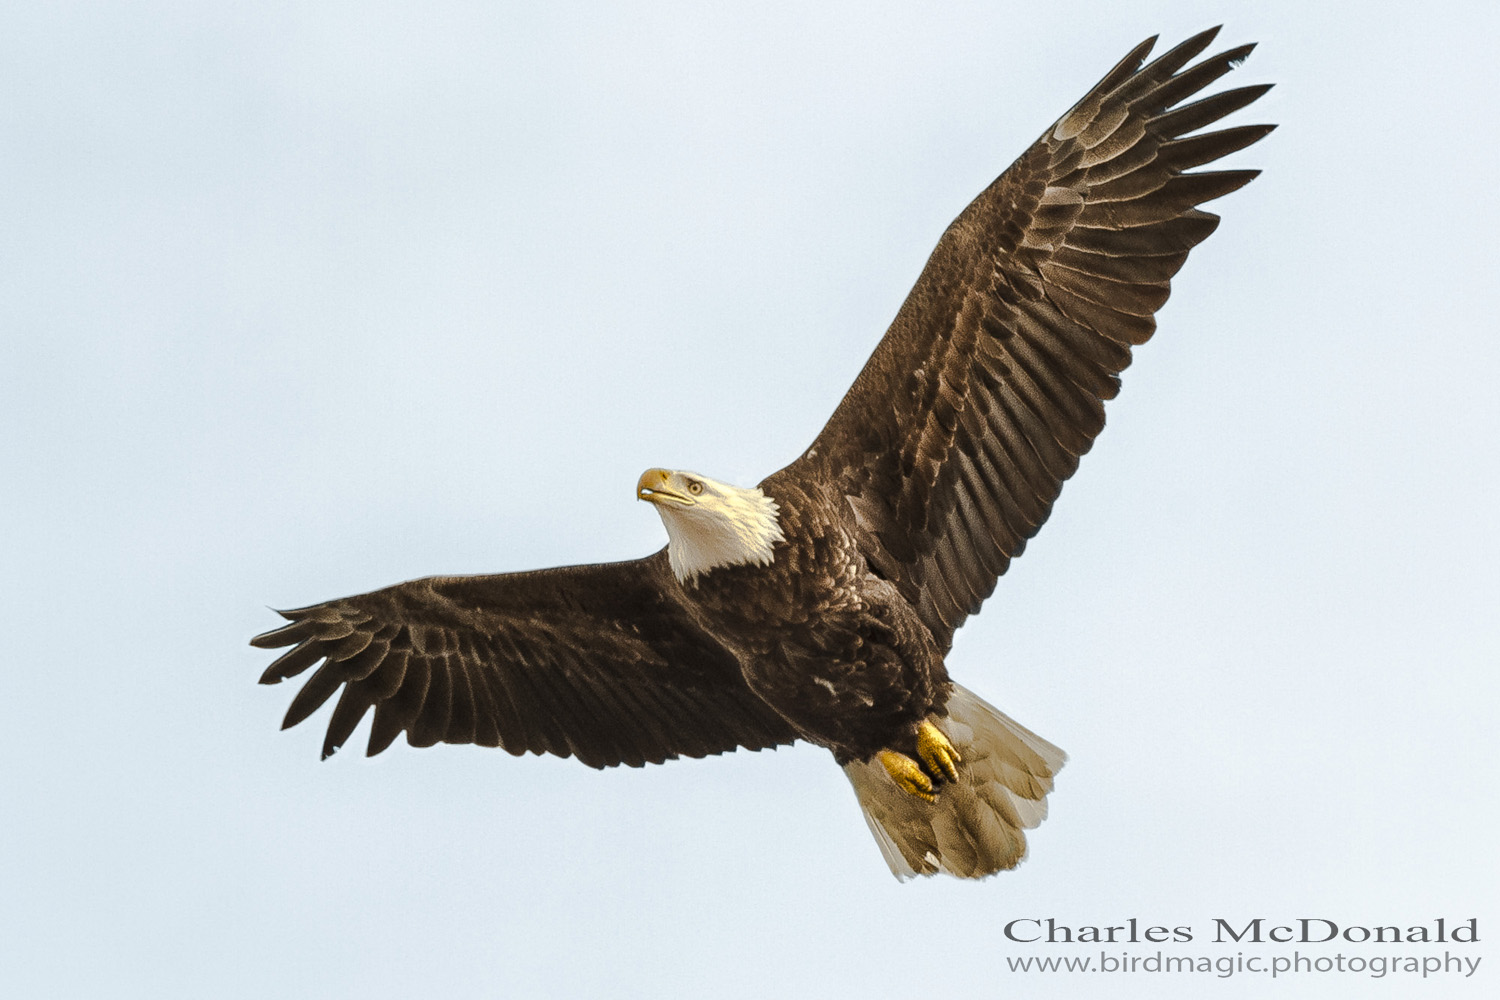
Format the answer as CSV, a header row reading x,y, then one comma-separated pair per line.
x,y
300,300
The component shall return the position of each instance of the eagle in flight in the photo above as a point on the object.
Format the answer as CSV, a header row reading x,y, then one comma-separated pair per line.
x,y
820,604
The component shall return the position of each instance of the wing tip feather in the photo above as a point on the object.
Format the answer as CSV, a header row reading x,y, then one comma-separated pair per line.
x,y
268,640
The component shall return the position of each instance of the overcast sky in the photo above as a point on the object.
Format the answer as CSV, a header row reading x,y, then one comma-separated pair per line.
x,y
301,300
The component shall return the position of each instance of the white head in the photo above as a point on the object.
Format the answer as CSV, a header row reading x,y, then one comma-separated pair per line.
x,y
710,524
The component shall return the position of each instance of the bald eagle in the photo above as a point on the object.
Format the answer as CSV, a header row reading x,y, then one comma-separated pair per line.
x,y
820,604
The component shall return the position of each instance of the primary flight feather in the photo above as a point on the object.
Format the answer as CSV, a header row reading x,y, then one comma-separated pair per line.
x,y
820,604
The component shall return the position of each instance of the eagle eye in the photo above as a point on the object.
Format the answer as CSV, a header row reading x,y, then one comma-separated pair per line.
x,y
694,487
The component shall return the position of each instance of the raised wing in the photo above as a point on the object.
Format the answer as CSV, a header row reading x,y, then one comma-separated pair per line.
x,y
597,662
956,438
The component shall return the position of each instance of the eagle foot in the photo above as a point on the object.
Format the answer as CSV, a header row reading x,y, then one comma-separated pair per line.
x,y
907,774
937,753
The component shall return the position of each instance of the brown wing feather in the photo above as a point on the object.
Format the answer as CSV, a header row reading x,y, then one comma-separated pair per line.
x,y
596,662
957,436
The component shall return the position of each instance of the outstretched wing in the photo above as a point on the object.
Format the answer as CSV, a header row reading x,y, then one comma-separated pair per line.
x,y
956,438
597,662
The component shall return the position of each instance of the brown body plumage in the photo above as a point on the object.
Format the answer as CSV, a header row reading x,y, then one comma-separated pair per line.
x,y
822,605
822,639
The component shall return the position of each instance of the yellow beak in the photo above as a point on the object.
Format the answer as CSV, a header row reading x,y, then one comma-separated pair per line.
x,y
652,487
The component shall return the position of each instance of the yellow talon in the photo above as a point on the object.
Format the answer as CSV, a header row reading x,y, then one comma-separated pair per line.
x,y
907,775
937,752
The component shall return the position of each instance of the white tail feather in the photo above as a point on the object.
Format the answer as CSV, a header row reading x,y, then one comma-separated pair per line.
x,y
975,827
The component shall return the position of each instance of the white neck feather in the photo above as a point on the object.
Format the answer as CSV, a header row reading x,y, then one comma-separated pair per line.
x,y
734,527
